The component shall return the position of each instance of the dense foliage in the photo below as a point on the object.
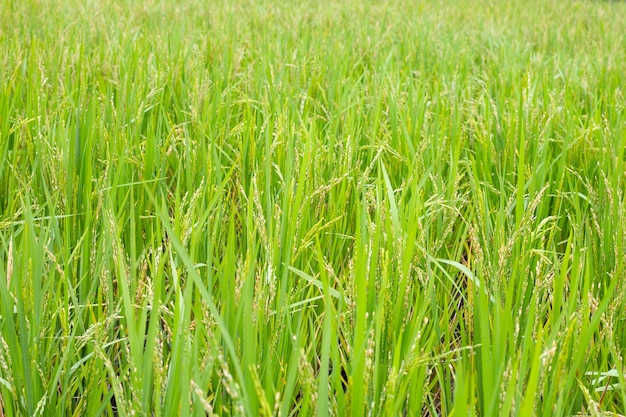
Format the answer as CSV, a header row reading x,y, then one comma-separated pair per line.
x,y
257,207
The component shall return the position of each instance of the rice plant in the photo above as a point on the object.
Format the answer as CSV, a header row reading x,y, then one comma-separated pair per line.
x,y
265,208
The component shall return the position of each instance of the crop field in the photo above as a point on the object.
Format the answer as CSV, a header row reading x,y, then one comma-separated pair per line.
x,y
312,208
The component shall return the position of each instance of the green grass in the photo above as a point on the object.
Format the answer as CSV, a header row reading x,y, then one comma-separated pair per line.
x,y
378,208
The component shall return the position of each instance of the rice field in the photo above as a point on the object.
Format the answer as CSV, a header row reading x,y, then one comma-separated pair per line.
x,y
312,208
